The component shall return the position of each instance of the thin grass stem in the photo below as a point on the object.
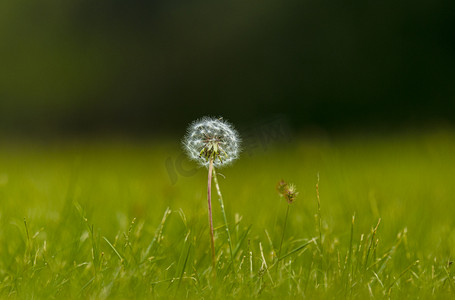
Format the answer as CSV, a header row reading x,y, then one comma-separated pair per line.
x,y
373,234
319,216
220,197
209,200
284,229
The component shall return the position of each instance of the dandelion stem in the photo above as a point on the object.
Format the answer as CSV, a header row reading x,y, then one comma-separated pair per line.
x,y
220,197
209,200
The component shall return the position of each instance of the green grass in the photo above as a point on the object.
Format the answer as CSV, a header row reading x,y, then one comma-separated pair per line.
x,y
102,220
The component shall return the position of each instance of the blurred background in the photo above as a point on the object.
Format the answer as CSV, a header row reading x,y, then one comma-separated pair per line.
x,y
70,68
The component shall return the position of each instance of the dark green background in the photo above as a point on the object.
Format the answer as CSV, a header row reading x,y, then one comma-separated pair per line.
x,y
150,67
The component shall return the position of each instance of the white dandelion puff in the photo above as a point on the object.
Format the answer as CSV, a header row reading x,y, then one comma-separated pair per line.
x,y
213,143
212,139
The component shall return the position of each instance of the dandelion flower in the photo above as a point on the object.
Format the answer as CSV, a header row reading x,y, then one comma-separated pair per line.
x,y
212,139
213,143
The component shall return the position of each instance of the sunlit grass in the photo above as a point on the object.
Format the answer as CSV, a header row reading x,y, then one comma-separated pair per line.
x,y
103,220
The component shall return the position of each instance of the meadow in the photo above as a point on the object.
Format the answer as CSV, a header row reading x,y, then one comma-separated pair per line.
x,y
119,219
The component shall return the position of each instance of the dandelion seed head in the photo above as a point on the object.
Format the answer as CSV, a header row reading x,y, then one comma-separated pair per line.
x,y
212,138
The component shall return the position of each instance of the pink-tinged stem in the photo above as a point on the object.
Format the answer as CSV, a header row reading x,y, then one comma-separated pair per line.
x,y
209,198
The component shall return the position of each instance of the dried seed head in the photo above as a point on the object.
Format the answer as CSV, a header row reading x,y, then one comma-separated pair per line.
x,y
212,138
281,187
288,191
291,193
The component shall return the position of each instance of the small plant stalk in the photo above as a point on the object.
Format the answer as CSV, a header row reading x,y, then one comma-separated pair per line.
x,y
288,191
284,229
209,200
282,239
220,197
319,216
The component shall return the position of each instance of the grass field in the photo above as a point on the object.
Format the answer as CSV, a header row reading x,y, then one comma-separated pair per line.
x,y
106,219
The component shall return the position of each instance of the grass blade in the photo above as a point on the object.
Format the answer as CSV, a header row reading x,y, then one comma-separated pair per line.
x,y
301,247
115,250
